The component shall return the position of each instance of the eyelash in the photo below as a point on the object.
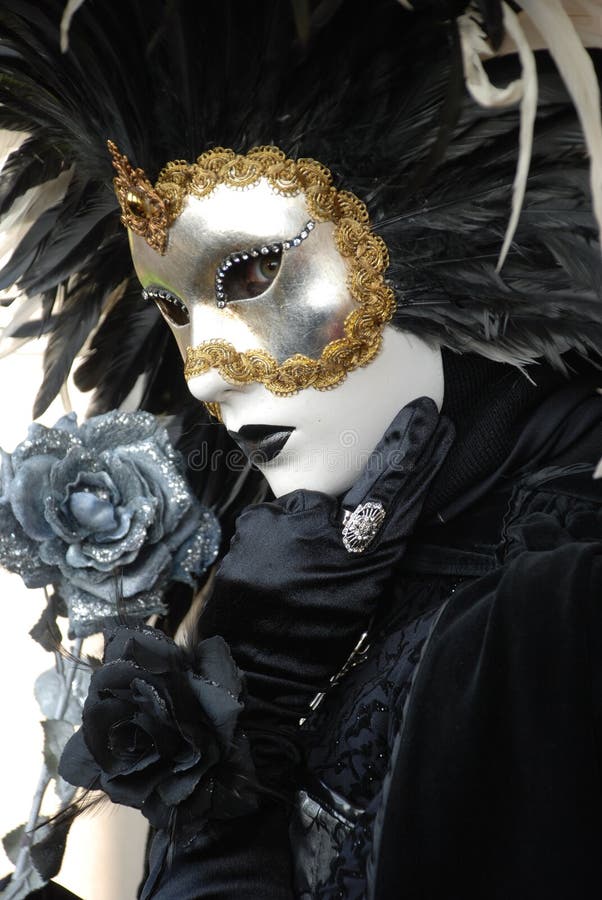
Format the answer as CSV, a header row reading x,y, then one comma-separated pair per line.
x,y
176,311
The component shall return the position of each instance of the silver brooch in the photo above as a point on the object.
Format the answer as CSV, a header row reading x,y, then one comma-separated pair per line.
x,y
361,526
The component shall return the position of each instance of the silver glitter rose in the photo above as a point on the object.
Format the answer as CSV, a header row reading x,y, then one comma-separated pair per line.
x,y
102,510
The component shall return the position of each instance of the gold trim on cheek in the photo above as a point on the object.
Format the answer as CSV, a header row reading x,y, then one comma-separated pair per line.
x,y
367,259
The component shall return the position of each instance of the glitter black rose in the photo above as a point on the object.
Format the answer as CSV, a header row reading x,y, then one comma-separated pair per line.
x,y
80,505
160,731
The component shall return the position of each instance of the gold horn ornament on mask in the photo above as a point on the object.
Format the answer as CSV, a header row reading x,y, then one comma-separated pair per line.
x,y
150,211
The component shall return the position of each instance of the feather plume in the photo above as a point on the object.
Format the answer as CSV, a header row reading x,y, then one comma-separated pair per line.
x,y
528,110
577,70
69,11
375,97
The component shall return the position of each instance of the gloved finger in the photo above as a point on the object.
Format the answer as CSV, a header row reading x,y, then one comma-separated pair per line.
x,y
397,455
384,499
301,500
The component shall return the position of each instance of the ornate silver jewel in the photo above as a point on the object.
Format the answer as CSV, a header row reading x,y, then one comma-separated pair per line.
x,y
361,526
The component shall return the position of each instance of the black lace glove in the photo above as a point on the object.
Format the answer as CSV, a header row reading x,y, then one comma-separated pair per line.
x,y
296,589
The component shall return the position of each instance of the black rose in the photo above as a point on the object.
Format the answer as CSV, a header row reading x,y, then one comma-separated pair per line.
x,y
160,731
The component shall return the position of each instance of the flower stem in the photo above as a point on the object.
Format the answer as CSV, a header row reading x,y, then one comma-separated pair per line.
x,y
71,663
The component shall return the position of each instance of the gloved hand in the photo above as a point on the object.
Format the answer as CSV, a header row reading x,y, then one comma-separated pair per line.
x,y
297,587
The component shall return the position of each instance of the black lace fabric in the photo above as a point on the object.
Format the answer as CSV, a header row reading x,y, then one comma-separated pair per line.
x,y
348,742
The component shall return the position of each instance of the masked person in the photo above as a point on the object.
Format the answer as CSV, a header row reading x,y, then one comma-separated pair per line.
x,y
414,605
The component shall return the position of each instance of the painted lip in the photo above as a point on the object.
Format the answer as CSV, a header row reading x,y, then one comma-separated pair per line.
x,y
261,443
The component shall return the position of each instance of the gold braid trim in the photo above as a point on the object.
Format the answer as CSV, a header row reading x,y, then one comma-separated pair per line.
x,y
143,211
150,212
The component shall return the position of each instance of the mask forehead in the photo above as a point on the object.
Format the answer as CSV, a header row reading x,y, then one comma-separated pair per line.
x,y
303,308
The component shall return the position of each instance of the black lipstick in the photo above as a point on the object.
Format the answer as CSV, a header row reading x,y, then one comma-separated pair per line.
x,y
261,443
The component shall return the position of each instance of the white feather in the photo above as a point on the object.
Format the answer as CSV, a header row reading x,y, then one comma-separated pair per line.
x,y
577,70
68,13
528,112
523,90
10,141
475,49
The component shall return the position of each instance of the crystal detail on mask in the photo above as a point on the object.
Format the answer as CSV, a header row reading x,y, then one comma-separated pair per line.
x,y
172,307
238,256
361,526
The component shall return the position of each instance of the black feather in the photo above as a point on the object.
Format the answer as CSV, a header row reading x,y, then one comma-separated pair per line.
x,y
28,249
376,97
25,169
127,345
83,301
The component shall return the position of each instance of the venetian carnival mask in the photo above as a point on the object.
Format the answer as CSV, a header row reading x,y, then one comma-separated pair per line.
x,y
273,285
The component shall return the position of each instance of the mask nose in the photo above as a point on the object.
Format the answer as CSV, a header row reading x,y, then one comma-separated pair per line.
x,y
210,387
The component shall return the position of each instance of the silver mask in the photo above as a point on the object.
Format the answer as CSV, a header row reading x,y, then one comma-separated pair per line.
x,y
263,269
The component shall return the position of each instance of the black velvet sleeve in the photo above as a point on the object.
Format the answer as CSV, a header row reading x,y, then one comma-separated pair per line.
x,y
496,789
249,859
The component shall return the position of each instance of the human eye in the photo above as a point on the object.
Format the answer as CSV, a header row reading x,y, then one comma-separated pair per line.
x,y
174,309
246,274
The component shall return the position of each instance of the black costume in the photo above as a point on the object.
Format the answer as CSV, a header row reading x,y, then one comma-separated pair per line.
x,y
458,750
457,756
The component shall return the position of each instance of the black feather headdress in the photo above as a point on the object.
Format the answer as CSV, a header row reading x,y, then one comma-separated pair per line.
x,y
374,91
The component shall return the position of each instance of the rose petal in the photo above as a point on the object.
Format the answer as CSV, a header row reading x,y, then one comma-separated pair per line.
x,y
125,473
29,488
173,790
149,570
158,814
220,708
89,614
156,658
115,428
67,423
18,553
213,661
91,513
147,697
196,554
41,441
132,790
122,641
97,720
77,765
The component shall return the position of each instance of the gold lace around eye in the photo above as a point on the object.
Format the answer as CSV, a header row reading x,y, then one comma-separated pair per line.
x,y
367,259
149,212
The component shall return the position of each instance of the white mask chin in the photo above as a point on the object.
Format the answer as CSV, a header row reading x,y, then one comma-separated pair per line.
x,y
334,431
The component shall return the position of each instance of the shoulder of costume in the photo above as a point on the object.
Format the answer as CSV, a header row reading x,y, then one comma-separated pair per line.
x,y
552,507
